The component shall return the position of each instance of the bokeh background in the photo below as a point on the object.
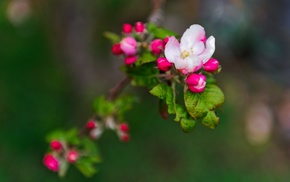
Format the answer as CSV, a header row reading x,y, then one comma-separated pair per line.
x,y
54,60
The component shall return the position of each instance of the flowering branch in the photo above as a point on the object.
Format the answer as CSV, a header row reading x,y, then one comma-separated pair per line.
x,y
156,59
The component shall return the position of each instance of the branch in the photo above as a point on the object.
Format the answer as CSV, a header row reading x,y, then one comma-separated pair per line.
x,y
156,16
117,89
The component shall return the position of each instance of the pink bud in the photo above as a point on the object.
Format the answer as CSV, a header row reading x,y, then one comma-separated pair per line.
x,y
139,27
211,65
125,137
91,124
165,40
124,127
51,162
116,49
196,82
156,46
129,46
127,28
163,64
130,60
55,145
72,156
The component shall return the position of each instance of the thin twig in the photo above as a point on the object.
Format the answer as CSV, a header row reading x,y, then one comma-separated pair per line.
x,y
116,90
156,16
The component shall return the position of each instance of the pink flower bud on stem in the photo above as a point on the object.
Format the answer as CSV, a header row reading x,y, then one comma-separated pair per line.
x,y
157,46
127,28
91,124
51,162
124,137
124,127
139,27
129,46
196,82
163,64
72,156
211,65
130,60
55,145
116,49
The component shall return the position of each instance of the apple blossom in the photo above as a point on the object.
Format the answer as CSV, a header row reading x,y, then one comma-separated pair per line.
x,y
51,162
191,53
129,46
196,82
163,64
211,65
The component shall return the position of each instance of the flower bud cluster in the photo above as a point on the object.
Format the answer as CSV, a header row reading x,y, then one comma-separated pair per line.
x,y
60,154
128,46
191,56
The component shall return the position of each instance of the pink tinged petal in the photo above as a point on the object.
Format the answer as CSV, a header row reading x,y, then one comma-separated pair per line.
x,y
194,63
209,50
172,50
193,34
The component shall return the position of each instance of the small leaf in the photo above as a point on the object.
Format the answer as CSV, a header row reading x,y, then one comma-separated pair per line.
x,y
143,75
86,167
115,38
163,91
103,107
159,32
147,57
187,125
210,120
197,104
123,104
180,112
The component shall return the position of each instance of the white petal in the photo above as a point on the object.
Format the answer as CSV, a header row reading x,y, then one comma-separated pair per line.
x,y
198,48
209,50
194,63
193,34
172,50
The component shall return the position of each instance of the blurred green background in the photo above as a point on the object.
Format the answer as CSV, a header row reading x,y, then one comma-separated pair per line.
x,y
54,61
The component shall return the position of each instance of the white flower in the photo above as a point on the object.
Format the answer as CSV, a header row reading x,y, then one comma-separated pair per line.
x,y
191,53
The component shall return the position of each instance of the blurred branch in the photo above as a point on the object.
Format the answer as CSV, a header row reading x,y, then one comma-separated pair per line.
x,y
117,89
157,15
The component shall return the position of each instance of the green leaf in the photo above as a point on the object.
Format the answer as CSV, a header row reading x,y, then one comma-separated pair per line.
x,y
146,57
163,91
70,136
180,112
159,32
123,104
210,120
144,75
86,167
103,107
115,38
187,125
199,104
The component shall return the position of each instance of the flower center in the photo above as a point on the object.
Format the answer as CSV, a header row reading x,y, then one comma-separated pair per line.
x,y
184,54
